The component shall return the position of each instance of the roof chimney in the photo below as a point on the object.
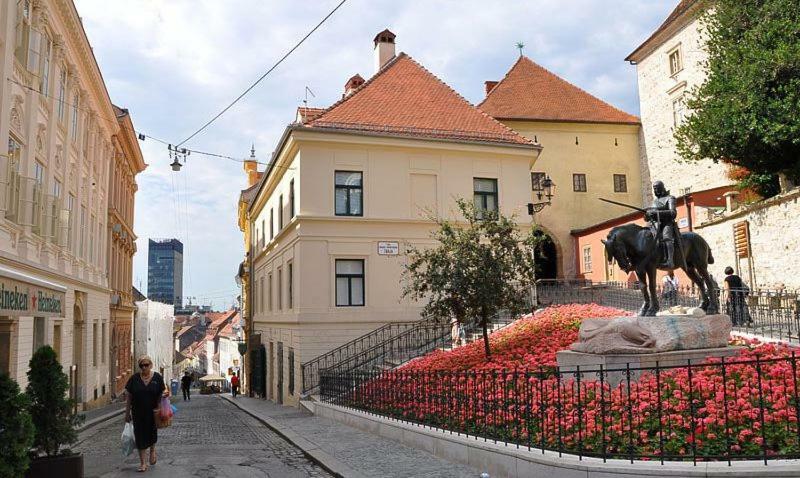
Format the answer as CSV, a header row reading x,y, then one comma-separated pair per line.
x,y
489,85
354,82
384,48
251,167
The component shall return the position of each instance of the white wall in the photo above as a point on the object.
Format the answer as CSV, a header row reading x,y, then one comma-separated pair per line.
x,y
153,334
657,90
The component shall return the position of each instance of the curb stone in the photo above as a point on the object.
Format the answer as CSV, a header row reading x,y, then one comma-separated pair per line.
x,y
324,459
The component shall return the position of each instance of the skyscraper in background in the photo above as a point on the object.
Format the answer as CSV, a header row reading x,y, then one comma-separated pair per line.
x,y
165,271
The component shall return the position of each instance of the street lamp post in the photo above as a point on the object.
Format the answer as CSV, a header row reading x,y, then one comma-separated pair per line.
x,y
544,195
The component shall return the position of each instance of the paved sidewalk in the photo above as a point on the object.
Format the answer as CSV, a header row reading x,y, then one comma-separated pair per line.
x,y
346,451
99,415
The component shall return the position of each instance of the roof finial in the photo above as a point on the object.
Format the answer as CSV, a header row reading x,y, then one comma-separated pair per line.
x,y
253,151
520,46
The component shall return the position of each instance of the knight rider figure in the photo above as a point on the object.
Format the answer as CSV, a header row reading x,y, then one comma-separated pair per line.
x,y
661,216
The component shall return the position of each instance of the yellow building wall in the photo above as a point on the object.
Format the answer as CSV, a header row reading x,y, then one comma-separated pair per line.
x,y
401,178
602,150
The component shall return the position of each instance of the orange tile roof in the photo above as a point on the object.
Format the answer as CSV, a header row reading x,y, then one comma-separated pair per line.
x,y
531,92
682,7
307,113
405,99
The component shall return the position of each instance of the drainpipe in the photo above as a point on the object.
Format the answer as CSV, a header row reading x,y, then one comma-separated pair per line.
x,y
687,198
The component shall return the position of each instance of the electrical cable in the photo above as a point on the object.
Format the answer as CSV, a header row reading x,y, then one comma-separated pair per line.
x,y
208,123
116,122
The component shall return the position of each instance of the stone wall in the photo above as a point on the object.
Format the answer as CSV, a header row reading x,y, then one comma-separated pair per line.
x,y
657,91
774,242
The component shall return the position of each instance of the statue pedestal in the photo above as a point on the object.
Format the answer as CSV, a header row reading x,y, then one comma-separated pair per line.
x,y
569,361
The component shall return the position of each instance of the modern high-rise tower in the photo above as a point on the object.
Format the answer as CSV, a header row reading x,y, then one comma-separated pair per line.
x,y
165,271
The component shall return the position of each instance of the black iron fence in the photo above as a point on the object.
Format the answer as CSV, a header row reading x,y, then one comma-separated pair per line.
x,y
769,313
744,409
310,370
388,346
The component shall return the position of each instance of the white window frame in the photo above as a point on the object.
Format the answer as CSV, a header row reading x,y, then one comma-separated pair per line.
x,y
676,53
587,259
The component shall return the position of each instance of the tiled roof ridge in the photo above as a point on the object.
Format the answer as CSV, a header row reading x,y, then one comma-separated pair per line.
x,y
494,88
507,131
359,88
489,117
560,79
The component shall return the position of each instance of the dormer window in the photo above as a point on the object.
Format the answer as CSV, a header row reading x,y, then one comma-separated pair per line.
x,y
675,61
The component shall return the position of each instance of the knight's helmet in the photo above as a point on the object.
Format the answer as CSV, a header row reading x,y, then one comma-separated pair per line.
x,y
659,189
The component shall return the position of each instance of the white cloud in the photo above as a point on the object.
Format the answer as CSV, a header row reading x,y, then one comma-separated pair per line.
x,y
174,64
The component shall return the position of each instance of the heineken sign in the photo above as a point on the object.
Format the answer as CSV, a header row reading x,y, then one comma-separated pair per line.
x,y
19,298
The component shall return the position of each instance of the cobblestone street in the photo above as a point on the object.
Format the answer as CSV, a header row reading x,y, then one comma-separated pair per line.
x,y
209,437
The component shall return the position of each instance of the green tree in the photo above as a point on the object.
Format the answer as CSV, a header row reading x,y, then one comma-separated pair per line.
x,y
16,429
478,268
51,410
747,112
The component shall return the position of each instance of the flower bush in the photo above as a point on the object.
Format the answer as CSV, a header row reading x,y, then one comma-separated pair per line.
x,y
744,408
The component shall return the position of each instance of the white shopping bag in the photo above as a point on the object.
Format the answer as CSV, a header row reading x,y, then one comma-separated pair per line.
x,y
128,440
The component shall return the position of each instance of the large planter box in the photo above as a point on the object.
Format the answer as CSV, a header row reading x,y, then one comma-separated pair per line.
x,y
63,466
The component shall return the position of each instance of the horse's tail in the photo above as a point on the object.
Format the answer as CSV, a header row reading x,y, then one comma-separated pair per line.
x,y
710,256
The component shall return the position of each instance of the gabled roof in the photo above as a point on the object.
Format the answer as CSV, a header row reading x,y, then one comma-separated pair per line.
x,y
183,330
405,99
531,92
307,113
683,7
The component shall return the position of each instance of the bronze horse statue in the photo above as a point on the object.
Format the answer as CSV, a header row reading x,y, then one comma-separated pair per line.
x,y
635,249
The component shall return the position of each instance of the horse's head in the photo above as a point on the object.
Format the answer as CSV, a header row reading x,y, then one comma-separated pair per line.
x,y
615,251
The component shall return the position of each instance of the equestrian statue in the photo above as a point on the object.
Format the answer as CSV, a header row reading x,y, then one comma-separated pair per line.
x,y
644,250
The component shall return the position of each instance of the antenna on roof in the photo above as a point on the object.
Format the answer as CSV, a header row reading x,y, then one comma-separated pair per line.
x,y
305,101
520,46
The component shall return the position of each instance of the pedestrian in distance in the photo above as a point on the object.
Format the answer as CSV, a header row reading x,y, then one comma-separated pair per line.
x,y
669,291
145,390
235,385
736,292
186,383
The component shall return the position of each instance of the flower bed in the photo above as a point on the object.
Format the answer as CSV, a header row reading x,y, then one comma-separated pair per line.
x,y
744,408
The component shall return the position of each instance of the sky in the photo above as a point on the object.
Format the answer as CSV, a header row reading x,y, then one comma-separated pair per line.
x,y
175,64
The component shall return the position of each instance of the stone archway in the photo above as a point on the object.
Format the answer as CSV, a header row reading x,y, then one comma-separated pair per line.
x,y
546,257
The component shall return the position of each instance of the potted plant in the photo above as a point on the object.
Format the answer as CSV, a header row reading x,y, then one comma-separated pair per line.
x,y
53,418
16,429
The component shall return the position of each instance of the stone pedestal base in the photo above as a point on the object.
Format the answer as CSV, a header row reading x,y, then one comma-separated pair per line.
x,y
569,361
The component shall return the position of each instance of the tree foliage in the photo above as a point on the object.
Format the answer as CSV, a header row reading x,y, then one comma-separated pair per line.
x,y
479,268
51,410
747,112
16,429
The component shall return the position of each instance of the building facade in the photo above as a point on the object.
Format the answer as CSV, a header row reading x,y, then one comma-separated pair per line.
x,y
348,190
59,125
669,64
590,150
127,163
165,271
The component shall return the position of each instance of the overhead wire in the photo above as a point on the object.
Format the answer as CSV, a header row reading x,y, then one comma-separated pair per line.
x,y
249,88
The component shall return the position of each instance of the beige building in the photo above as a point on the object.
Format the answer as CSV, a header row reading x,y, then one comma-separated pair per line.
x,y
59,124
591,150
347,192
669,64
127,162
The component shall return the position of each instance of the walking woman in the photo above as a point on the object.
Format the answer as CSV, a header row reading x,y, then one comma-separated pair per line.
x,y
145,389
